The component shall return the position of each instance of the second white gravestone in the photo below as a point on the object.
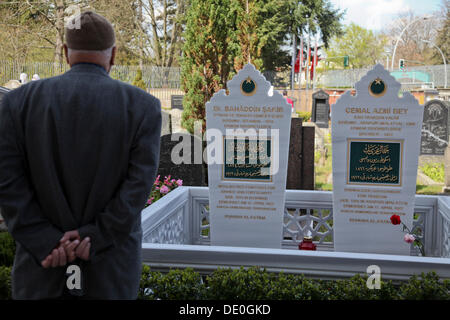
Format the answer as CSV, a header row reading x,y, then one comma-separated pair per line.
x,y
376,144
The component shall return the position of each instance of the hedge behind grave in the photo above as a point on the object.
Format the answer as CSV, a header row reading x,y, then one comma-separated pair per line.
x,y
255,284
7,249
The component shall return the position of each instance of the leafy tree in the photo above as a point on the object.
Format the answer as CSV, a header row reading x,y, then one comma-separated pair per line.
x,y
315,17
209,51
261,31
167,20
123,15
24,33
278,21
413,29
443,37
147,31
138,82
222,36
363,46
51,14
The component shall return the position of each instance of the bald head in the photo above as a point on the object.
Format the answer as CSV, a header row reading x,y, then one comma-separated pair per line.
x,y
92,41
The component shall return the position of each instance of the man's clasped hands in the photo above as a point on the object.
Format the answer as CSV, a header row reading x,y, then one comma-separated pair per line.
x,y
69,248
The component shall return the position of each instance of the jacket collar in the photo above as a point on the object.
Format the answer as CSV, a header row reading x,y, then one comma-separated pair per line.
x,y
89,68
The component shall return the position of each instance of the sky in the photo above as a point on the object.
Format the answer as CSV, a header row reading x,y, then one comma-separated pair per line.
x,y
375,14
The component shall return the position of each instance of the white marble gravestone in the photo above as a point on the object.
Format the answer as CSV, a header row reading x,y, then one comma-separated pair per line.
x,y
248,141
376,145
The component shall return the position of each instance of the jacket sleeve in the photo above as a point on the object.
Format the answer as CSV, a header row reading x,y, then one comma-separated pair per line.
x,y
20,209
122,213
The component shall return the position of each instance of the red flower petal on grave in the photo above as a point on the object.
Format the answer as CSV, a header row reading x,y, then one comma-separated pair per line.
x,y
395,219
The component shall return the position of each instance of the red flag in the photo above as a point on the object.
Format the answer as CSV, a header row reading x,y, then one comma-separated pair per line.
x,y
313,63
299,60
301,55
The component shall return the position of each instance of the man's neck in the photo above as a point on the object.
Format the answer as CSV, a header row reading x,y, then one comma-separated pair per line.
x,y
92,63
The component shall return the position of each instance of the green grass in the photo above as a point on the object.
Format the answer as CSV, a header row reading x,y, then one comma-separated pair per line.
x,y
420,189
324,186
434,170
305,115
322,171
430,190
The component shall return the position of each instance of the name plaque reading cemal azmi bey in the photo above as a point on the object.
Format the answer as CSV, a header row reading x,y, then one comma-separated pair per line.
x,y
247,165
376,144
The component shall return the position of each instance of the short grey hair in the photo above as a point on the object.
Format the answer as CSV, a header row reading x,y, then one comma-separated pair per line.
x,y
106,52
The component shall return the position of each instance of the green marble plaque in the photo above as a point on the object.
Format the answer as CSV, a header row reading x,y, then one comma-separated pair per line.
x,y
375,162
245,159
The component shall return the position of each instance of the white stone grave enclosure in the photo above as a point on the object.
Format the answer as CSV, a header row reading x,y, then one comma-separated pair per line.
x,y
176,235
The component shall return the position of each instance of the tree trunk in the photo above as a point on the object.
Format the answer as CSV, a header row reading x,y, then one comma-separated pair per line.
x,y
176,31
141,36
156,45
60,6
165,33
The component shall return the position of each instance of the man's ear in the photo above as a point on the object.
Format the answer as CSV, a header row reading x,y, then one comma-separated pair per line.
x,y
113,56
66,53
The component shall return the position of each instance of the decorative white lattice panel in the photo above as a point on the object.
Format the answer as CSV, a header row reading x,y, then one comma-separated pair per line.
x,y
446,239
170,231
300,221
204,221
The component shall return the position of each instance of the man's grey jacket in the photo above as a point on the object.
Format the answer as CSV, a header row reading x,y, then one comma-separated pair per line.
x,y
78,151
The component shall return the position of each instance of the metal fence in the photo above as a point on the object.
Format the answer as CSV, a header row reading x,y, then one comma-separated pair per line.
x,y
418,77
170,77
11,70
153,76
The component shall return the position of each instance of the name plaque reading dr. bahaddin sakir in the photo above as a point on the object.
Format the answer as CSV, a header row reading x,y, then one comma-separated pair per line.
x,y
256,156
376,142
248,141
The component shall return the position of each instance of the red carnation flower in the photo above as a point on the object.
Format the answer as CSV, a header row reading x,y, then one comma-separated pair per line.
x,y
395,219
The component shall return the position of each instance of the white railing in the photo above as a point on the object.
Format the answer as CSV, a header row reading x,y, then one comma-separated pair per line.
x,y
182,217
165,220
176,234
